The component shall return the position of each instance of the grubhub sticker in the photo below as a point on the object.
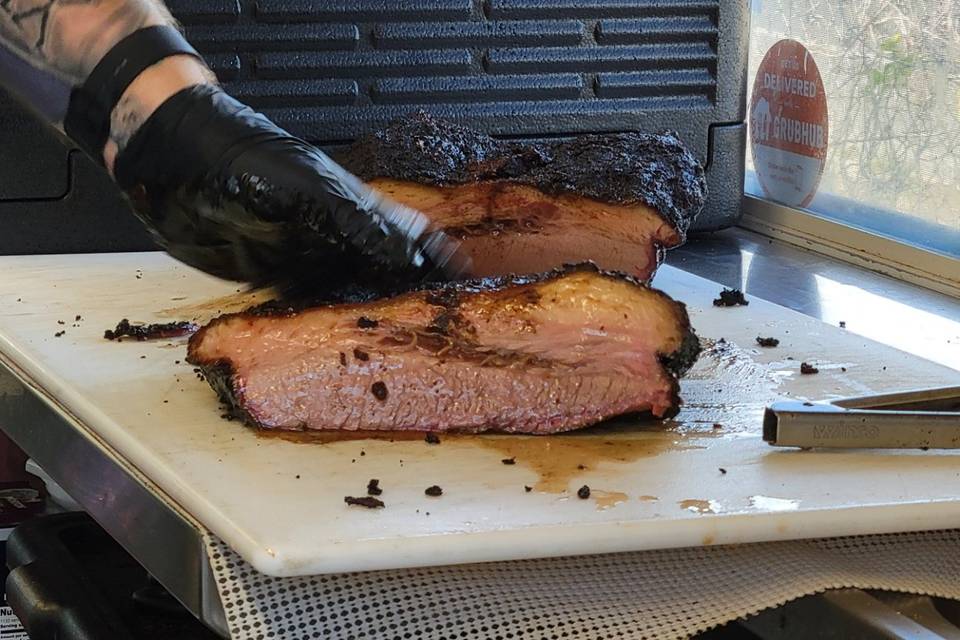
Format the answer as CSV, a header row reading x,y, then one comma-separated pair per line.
x,y
788,124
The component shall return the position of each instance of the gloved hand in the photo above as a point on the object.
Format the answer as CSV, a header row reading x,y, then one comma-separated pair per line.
x,y
224,189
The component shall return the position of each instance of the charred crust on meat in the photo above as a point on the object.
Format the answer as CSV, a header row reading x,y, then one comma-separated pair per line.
x,y
434,491
438,294
767,342
379,391
446,297
343,359
583,492
364,322
686,355
360,355
143,332
373,487
623,168
366,501
731,298
220,375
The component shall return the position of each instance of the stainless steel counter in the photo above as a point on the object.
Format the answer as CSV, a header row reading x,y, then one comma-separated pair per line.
x,y
895,313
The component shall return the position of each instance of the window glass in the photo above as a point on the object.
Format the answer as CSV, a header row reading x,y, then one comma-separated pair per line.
x,y
891,74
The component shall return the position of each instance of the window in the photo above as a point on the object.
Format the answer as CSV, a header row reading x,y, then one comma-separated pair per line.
x,y
891,74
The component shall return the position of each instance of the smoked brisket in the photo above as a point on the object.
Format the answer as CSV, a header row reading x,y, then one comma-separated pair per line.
x,y
617,199
522,354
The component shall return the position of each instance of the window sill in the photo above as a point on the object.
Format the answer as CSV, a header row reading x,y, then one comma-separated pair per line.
x,y
902,315
857,246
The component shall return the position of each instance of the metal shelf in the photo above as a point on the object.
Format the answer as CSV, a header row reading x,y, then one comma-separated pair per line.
x,y
165,540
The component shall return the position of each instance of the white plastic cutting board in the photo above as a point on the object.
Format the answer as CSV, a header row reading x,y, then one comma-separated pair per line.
x,y
280,504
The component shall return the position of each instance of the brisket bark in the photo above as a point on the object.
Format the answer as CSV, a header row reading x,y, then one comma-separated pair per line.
x,y
619,199
530,354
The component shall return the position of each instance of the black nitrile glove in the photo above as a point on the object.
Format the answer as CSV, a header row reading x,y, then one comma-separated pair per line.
x,y
225,190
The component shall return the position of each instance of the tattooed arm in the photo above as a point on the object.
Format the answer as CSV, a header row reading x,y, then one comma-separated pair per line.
x,y
69,37
220,186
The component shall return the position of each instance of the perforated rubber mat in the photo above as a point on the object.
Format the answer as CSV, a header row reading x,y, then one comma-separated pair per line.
x,y
673,593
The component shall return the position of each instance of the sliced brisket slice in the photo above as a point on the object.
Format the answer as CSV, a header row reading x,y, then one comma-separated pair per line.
x,y
616,199
533,354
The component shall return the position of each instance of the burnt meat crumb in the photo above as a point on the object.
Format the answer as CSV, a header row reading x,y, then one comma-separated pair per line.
x,y
373,487
843,369
343,358
58,334
808,369
362,356
581,467
366,323
366,501
717,425
767,342
583,492
843,324
432,438
78,318
527,488
142,332
509,461
434,491
731,298
379,391
61,322
723,471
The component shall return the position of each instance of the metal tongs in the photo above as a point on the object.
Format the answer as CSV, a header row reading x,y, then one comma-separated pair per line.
x,y
921,419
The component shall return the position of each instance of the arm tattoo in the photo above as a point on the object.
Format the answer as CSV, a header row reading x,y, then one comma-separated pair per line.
x,y
126,119
70,36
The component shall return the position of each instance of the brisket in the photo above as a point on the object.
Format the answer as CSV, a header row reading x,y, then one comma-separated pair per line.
x,y
527,354
618,200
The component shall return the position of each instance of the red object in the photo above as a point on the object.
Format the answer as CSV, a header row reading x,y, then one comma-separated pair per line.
x,y
789,124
